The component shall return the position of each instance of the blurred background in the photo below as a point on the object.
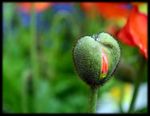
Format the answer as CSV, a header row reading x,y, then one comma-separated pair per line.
x,y
38,70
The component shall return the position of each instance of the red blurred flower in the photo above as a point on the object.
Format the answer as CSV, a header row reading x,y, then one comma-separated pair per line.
x,y
109,10
114,10
39,6
134,33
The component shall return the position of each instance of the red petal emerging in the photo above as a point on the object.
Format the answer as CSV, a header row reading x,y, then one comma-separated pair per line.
x,y
104,63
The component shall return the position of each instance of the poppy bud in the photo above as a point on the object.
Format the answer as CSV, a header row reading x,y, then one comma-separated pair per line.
x,y
96,58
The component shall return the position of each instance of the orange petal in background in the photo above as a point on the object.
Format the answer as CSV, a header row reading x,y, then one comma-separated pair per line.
x,y
39,6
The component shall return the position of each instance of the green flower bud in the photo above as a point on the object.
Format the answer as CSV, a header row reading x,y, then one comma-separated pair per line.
x,y
96,58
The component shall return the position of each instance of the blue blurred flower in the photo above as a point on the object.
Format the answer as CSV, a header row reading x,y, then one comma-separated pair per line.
x,y
25,20
69,7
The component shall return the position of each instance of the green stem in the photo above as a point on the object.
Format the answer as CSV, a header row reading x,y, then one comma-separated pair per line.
x,y
24,95
121,98
134,97
34,57
137,85
93,99
34,54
